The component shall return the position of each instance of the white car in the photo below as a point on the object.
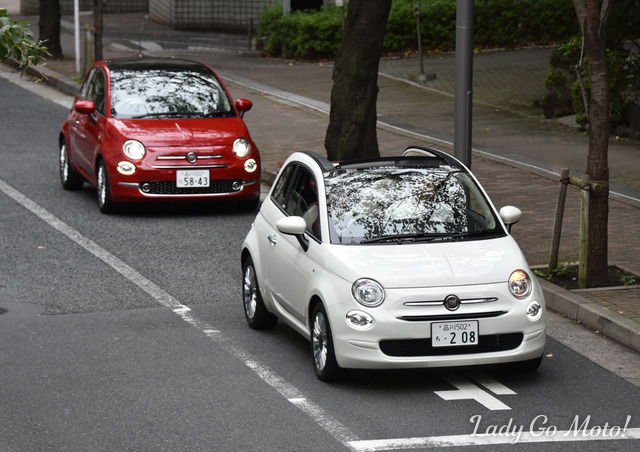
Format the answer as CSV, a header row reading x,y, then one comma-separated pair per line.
x,y
388,263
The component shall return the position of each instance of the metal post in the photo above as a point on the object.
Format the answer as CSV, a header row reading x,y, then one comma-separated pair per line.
x,y
584,231
416,12
286,7
464,81
76,32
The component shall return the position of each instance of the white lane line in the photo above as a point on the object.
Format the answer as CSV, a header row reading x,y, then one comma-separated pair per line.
x,y
157,293
484,439
284,388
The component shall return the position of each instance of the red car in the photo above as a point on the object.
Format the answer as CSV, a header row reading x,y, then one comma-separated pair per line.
x,y
158,129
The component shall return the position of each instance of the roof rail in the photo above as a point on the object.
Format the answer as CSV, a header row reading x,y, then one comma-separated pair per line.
x,y
419,151
325,164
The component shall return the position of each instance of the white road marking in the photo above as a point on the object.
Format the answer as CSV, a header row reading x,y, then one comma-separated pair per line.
x,y
467,390
492,385
482,440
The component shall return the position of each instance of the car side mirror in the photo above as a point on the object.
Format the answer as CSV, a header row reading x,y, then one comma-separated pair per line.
x,y
510,215
295,226
243,105
88,107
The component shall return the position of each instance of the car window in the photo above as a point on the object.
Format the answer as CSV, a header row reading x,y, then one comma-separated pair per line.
x,y
367,204
296,193
94,89
281,188
160,93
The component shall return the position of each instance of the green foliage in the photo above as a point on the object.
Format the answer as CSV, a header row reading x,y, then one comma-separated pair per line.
x,y
301,34
501,23
16,41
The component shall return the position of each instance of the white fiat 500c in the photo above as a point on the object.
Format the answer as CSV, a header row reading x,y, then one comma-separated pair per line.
x,y
388,263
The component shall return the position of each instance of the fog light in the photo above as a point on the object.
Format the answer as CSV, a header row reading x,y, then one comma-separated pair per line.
x,y
534,310
250,166
236,185
146,187
126,168
359,320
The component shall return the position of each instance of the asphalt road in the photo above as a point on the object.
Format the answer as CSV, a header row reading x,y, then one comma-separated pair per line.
x,y
125,332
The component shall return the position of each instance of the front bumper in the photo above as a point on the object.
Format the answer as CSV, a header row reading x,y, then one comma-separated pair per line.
x,y
400,335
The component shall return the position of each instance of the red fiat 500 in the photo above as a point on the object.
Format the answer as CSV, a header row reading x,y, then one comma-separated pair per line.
x,y
158,129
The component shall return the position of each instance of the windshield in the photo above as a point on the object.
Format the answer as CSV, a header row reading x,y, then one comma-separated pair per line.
x,y
406,204
162,93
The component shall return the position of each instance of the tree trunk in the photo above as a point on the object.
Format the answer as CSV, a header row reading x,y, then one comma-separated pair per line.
x,y
593,21
352,122
49,27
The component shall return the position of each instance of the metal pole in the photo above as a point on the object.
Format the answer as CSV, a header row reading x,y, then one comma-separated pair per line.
x,y
286,7
416,13
464,81
76,32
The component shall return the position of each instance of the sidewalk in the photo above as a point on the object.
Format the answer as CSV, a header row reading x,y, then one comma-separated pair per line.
x,y
517,154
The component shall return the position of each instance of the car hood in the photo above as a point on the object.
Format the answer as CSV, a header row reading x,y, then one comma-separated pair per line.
x,y
428,264
183,132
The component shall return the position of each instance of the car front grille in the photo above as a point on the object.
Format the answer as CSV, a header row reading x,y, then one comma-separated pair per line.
x,y
422,347
169,188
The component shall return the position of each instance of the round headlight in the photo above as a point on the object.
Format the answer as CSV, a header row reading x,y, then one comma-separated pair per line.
x,y
241,148
368,292
133,149
519,284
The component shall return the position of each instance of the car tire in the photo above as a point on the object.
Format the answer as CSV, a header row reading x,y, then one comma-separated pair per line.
x,y
69,179
530,365
105,203
322,350
255,312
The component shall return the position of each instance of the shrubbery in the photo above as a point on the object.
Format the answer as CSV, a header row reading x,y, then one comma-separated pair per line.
x,y
499,23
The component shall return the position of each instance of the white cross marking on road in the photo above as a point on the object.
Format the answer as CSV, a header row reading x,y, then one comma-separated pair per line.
x,y
467,390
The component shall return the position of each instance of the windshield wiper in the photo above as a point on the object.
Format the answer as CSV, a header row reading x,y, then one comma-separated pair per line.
x,y
431,236
401,238
474,234
174,114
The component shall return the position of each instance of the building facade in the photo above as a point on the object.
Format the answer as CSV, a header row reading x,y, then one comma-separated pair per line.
x,y
185,14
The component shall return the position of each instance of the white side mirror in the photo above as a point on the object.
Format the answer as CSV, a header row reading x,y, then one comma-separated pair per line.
x,y
291,225
510,215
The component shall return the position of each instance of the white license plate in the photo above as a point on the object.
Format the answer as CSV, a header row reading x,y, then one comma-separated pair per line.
x,y
453,334
192,178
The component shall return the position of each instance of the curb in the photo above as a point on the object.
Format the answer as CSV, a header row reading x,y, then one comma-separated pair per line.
x,y
590,314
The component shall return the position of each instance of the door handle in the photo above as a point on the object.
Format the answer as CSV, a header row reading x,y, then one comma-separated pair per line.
x,y
272,239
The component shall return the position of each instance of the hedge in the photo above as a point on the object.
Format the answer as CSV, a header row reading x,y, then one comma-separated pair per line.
x,y
498,23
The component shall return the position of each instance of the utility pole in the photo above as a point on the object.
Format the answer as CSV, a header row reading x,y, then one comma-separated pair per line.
x,y
464,81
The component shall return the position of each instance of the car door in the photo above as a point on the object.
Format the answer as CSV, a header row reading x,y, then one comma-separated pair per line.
x,y
85,130
289,268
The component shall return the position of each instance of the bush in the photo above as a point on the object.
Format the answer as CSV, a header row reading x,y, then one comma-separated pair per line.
x,y
501,23
301,34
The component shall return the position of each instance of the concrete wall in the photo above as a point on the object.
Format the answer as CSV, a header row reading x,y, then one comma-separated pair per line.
x,y
232,15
